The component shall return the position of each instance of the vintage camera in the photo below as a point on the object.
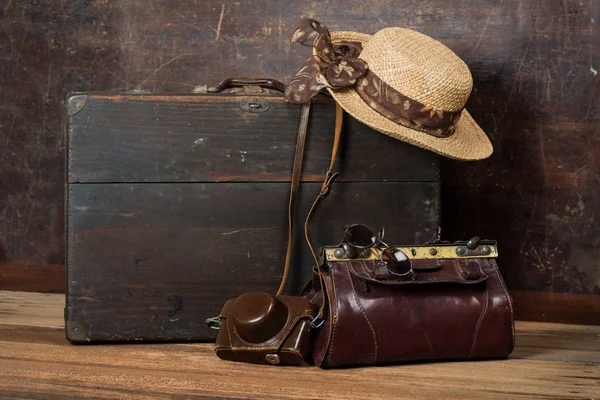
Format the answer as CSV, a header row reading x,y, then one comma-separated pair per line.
x,y
260,328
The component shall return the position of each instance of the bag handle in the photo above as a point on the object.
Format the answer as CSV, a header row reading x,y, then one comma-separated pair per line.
x,y
266,83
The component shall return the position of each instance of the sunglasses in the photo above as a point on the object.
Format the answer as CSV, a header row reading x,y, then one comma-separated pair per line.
x,y
361,237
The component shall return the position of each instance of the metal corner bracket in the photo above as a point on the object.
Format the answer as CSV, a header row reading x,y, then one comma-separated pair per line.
x,y
75,332
76,103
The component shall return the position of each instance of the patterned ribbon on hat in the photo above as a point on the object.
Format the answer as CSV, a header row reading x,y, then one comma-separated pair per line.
x,y
334,65
337,66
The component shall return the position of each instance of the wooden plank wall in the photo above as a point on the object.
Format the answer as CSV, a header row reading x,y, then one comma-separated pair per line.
x,y
535,66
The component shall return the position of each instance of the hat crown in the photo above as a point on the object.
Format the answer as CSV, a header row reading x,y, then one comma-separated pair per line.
x,y
419,67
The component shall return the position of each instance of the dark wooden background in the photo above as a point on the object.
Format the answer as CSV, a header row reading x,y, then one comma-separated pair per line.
x,y
535,66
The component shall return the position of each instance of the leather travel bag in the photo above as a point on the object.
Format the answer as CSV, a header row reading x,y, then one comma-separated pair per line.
x,y
455,307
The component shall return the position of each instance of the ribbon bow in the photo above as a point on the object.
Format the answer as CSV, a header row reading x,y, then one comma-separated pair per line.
x,y
334,65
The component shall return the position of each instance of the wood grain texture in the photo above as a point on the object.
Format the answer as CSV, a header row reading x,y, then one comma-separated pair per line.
x,y
209,138
154,260
535,68
42,310
551,361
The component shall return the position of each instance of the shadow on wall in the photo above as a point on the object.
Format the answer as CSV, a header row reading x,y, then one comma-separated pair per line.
x,y
525,195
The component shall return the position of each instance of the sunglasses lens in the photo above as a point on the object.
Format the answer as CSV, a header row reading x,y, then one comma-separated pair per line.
x,y
397,262
360,236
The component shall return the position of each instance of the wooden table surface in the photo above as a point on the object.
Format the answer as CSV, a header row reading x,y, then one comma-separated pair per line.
x,y
551,361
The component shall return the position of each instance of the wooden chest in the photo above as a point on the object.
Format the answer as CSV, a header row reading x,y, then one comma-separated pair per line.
x,y
176,203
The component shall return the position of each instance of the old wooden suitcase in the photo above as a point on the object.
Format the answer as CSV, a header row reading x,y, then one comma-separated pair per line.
x,y
177,202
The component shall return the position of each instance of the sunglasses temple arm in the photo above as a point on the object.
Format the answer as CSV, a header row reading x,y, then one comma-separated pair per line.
x,y
384,243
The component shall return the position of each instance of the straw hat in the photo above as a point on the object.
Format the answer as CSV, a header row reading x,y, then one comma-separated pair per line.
x,y
398,81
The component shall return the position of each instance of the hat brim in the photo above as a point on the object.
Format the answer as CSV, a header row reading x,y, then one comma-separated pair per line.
x,y
468,142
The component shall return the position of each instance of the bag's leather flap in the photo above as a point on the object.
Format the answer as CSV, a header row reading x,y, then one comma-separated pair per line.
x,y
464,272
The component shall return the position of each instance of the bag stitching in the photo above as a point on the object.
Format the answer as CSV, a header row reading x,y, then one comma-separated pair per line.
x,y
364,267
481,316
334,318
457,268
327,290
375,344
512,319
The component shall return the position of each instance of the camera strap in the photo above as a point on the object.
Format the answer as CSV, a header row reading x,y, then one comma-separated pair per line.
x,y
295,183
330,177
325,190
296,170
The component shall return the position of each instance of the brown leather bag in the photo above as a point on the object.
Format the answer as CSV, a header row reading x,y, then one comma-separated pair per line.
x,y
455,307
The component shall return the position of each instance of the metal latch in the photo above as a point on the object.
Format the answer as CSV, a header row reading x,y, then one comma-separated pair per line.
x,y
213,323
254,105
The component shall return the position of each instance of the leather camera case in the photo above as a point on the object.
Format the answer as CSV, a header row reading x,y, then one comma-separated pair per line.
x,y
259,328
